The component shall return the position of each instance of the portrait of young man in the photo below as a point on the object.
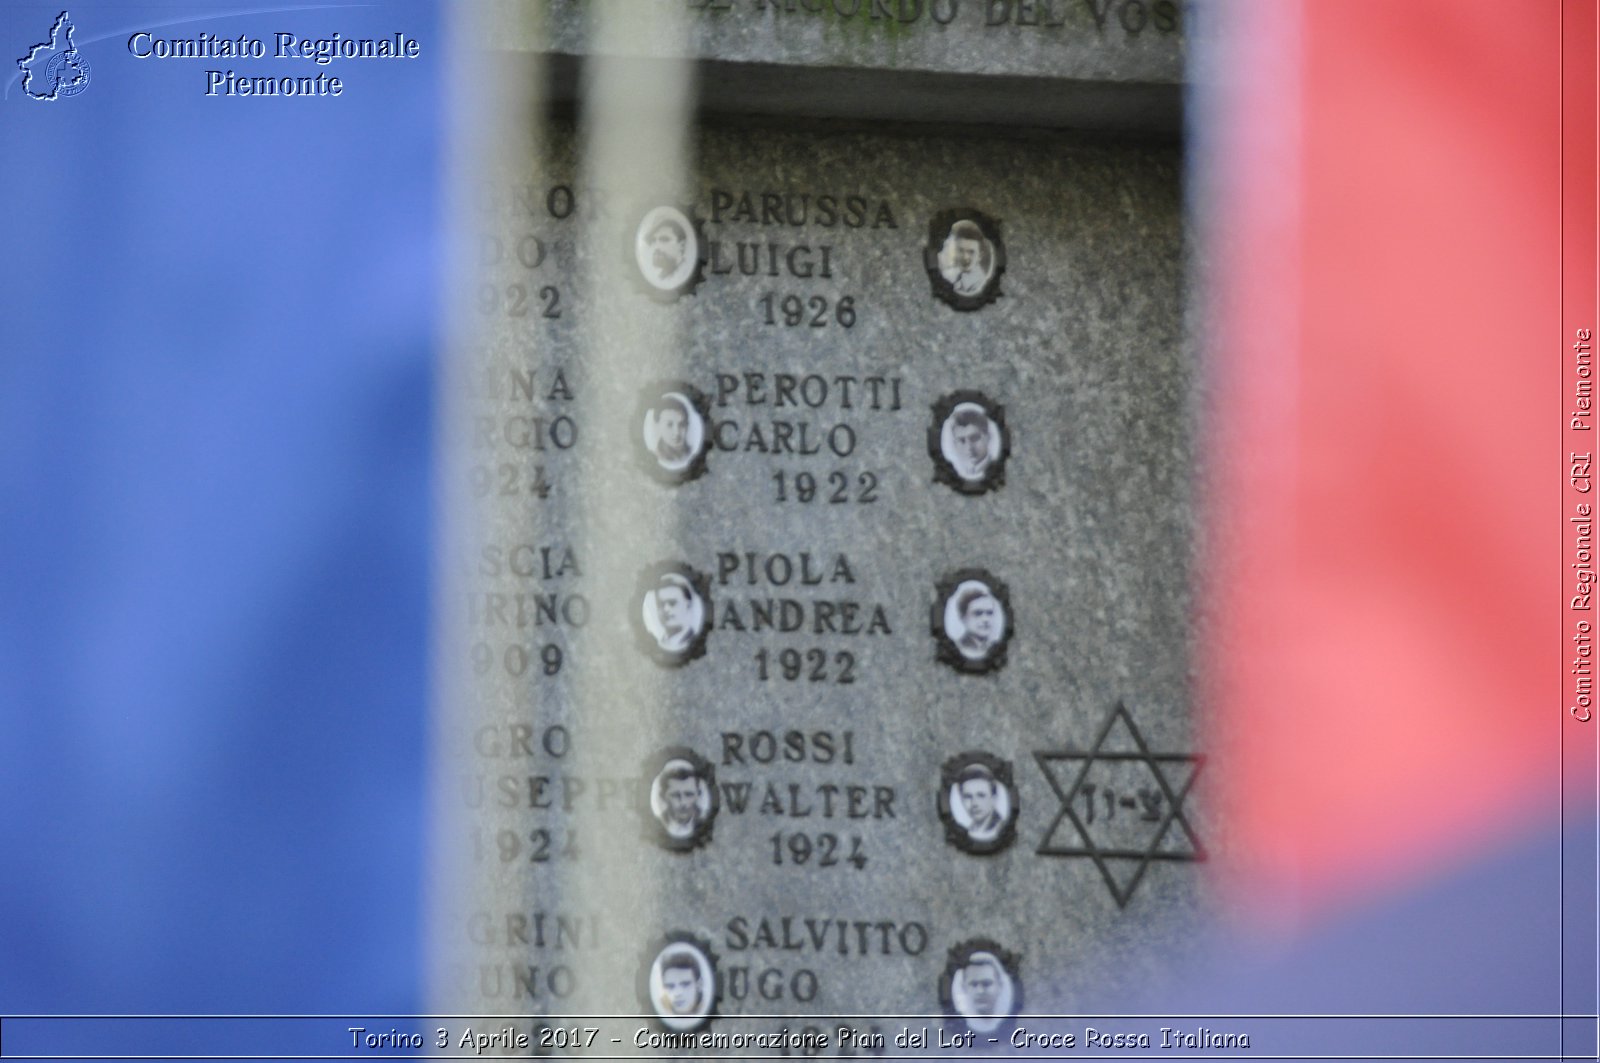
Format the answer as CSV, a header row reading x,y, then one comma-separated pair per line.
x,y
681,988
978,803
980,987
980,624
672,613
672,419
980,797
678,982
681,800
971,621
666,250
672,435
678,613
668,243
679,791
964,258
968,442
969,431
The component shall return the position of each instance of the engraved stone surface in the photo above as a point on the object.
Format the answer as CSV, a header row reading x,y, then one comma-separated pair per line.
x,y
1091,40
1088,64
859,717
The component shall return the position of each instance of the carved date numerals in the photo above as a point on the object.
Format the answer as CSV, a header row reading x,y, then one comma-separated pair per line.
x,y
812,665
508,479
519,300
538,846
814,312
517,659
821,850
837,488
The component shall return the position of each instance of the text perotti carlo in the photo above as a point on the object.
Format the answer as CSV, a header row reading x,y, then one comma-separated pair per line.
x,y
320,51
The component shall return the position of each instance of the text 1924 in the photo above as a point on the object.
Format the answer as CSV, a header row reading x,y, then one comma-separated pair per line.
x,y
825,850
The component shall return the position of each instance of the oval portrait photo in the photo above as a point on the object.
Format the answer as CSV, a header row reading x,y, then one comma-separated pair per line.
x,y
964,258
673,432
971,621
968,442
682,799
978,803
679,982
667,252
980,988
673,616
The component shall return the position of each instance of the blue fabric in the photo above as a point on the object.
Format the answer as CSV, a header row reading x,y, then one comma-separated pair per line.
x,y
1508,933
217,322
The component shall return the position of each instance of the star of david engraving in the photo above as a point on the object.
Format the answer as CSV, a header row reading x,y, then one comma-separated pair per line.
x,y
1143,797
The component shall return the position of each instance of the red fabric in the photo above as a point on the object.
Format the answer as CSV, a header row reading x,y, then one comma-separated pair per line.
x,y
1381,609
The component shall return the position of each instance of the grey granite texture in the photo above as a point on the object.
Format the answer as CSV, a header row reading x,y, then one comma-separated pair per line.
x,y
1090,532
1081,64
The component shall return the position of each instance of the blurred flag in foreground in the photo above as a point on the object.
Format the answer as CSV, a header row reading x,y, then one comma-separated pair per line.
x,y
1380,186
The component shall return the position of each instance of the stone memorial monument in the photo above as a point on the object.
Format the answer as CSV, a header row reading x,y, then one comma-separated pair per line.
x,y
817,675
